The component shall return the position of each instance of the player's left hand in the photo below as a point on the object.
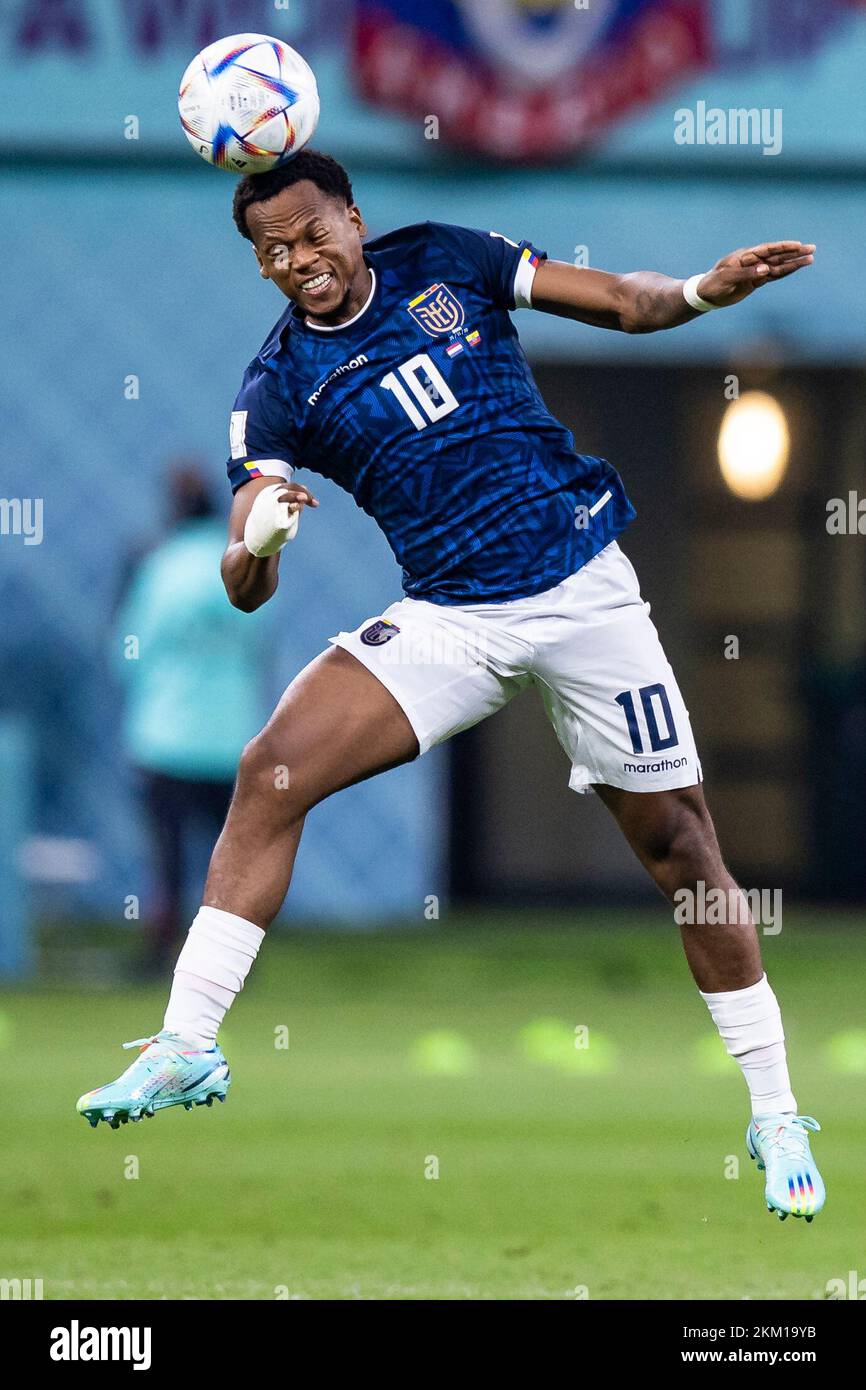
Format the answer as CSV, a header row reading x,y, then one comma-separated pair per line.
x,y
742,272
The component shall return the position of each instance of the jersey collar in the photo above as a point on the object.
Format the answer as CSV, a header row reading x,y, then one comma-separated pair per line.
x,y
338,327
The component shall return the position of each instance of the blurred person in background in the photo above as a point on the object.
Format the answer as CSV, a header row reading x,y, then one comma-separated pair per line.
x,y
191,668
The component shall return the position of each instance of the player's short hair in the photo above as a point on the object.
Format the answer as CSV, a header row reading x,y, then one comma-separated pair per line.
x,y
319,168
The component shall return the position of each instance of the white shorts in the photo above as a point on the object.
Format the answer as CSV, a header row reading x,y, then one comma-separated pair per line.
x,y
590,647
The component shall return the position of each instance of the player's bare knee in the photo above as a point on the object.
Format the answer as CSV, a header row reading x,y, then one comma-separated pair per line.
x,y
678,841
266,776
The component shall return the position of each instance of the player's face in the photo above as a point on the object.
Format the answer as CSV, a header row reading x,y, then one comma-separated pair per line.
x,y
309,244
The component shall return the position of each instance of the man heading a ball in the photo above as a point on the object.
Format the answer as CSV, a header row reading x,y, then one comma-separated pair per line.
x,y
396,371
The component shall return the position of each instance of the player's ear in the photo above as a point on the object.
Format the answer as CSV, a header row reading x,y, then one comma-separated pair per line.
x,y
357,220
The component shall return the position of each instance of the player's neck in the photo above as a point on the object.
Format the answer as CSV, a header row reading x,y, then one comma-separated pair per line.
x,y
357,299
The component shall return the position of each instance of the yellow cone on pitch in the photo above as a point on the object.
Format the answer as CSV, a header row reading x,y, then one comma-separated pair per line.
x,y
442,1053
846,1052
554,1043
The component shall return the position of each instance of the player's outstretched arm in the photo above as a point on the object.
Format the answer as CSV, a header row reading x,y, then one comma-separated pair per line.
x,y
264,516
644,301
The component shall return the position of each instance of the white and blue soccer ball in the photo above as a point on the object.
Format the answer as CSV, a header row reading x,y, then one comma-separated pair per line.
x,y
248,103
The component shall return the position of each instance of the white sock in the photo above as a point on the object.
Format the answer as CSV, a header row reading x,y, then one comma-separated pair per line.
x,y
210,972
750,1025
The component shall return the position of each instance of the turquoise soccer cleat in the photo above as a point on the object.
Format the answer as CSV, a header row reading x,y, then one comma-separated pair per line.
x,y
166,1072
780,1144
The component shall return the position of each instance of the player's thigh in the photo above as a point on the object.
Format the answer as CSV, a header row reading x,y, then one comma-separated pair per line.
x,y
335,725
446,667
612,695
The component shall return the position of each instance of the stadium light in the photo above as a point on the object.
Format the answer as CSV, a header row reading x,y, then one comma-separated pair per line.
x,y
754,444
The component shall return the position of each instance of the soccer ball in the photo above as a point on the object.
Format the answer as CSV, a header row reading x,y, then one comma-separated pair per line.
x,y
248,103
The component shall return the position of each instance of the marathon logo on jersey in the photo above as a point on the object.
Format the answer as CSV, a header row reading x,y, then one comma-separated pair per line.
x,y
350,366
378,633
437,311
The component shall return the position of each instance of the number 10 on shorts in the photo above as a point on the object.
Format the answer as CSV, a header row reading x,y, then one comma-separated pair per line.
x,y
654,703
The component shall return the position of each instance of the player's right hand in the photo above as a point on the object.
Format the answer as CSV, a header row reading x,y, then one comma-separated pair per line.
x,y
274,516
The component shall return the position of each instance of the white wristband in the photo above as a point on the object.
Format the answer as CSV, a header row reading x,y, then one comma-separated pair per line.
x,y
693,299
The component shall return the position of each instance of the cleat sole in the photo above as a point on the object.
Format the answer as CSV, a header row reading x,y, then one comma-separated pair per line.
x,y
212,1087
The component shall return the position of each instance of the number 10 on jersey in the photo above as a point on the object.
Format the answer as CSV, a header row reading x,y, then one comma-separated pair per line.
x,y
435,399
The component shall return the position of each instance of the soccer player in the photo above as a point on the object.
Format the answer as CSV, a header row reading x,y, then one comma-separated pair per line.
x,y
396,371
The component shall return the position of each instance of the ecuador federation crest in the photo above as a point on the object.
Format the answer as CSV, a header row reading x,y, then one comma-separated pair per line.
x,y
378,633
437,311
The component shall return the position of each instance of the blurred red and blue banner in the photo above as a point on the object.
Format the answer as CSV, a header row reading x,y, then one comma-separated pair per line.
x,y
526,79
520,79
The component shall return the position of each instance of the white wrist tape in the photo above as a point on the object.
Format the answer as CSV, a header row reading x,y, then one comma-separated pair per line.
x,y
693,299
270,523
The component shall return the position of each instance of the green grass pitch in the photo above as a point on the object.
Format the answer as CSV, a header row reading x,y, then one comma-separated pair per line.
x,y
606,1170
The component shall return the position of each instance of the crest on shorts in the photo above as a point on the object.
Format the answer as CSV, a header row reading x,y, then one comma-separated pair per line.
x,y
378,633
437,311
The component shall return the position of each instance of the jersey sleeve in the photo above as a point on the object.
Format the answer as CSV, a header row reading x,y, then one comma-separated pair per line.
x,y
261,431
505,268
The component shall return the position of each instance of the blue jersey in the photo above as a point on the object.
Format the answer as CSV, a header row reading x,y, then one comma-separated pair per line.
x,y
423,407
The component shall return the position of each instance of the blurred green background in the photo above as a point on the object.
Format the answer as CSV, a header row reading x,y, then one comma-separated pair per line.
x,y
560,1169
